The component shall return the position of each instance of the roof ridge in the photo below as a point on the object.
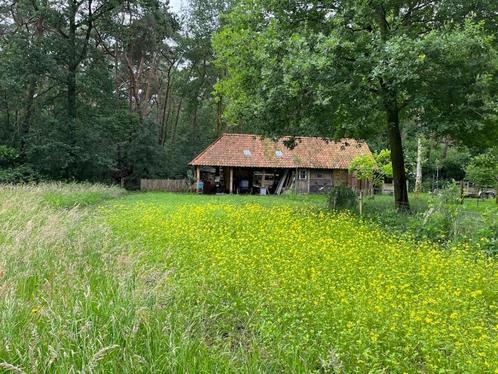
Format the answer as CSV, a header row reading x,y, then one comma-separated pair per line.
x,y
295,136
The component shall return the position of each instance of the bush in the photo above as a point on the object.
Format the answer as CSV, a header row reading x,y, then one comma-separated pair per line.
x,y
8,155
437,224
18,174
450,194
439,218
486,237
342,197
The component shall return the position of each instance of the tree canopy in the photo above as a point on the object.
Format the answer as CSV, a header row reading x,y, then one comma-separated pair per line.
x,y
349,68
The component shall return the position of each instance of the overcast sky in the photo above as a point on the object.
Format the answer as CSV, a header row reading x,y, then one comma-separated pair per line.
x,y
176,5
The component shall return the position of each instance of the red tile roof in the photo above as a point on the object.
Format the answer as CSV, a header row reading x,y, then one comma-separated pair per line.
x,y
246,150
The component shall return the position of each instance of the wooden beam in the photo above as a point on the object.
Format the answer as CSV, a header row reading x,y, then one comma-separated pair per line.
x,y
230,188
308,174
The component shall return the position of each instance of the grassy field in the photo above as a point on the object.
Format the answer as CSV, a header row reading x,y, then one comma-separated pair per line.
x,y
420,202
96,281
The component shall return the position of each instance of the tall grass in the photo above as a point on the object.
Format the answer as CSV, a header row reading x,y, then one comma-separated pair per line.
x,y
73,299
59,280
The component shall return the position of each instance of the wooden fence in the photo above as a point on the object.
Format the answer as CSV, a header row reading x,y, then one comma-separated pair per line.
x,y
170,185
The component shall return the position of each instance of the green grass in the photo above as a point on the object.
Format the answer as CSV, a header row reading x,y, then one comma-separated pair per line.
x,y
480,205
419,202
95,280
434,218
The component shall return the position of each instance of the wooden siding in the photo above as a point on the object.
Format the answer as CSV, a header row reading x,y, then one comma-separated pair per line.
x,y
320,178
341,178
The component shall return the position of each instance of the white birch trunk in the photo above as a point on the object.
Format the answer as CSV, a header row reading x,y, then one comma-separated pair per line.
x,y
418,174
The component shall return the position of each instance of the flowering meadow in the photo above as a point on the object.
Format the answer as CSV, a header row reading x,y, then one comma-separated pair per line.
x,y
93,280
305,290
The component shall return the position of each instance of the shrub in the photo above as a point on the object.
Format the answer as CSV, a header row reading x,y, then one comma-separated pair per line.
x,y
437,224
483,169
342,197
8,155
18,174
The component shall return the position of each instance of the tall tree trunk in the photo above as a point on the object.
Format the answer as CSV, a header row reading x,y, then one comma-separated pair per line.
x,y
165,114
194,132
26,124
392,110
219,115
178,109
7,109
71,103
446,146
28,117
418,173
397,159
71,74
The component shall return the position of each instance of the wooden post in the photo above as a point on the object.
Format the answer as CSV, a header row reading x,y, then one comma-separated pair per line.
x,y
361,202
197,178
230,189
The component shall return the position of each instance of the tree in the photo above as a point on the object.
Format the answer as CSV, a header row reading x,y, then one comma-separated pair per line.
x,y
358,68
374,169
482,170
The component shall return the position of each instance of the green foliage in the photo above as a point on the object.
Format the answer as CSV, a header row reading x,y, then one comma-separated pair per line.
x,y
19,174
109,96
10,169
289,70
374,169
8,156
438,222
363,167
383,160
482,169
440,218
447,222
342,198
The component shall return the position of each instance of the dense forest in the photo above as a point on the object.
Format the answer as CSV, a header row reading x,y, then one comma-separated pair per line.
x,y
105,90
117,90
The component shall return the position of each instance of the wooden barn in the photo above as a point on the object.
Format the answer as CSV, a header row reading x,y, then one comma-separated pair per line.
x,y
245,163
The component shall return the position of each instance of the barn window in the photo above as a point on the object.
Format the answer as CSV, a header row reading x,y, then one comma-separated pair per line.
x,y
302,174
247,153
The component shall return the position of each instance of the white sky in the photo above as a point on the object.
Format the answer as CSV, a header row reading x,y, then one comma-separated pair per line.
x,y
176,5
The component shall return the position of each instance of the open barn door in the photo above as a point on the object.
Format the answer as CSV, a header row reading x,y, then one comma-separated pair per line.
x,y
281,182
